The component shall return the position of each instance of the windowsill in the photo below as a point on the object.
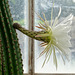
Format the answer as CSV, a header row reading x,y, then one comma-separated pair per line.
x,y
51,74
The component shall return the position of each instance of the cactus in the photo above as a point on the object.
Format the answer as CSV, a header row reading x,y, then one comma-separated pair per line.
x,y
10,53
32,34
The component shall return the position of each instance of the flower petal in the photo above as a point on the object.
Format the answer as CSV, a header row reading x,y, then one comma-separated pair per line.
x,y
56,19
54,57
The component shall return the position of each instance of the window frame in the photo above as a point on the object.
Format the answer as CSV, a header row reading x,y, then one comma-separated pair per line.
x,y
31,41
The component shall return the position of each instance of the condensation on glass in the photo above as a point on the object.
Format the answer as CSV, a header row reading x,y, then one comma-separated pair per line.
x,y
67,7
19,13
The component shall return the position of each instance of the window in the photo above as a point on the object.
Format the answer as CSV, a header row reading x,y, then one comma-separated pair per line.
x,y
23,13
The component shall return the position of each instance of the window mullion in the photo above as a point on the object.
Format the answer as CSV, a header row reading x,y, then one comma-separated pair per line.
x,y
31,42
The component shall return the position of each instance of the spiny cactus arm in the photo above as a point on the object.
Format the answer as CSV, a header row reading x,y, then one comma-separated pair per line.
x,y
15,43
0,56
17,51
5,54
12,62
31,34
4,58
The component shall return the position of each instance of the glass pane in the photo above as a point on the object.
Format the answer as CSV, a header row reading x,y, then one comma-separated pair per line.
x,y
19,12
67,7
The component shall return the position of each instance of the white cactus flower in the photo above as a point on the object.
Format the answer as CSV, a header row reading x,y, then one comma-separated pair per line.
x,y
59,37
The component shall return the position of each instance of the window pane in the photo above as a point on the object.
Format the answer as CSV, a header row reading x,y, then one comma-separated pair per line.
x,y
19,12
67,7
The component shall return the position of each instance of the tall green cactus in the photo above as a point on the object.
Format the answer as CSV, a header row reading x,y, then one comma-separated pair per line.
x,y
10,53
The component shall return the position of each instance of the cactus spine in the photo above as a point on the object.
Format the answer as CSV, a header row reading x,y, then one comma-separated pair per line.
x,y
10,53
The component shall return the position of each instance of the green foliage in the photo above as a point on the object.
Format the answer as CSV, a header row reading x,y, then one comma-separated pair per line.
x,y
39,21
10,54
20,22
13,1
